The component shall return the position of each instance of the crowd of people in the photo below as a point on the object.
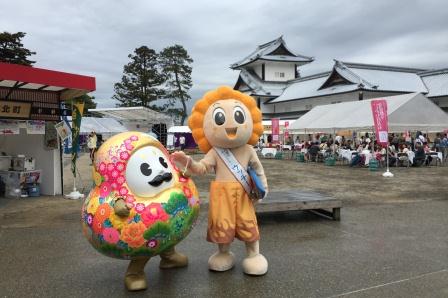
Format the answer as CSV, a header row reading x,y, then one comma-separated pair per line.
x,y
413,149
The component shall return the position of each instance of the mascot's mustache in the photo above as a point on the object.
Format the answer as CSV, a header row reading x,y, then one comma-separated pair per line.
x,y
159,179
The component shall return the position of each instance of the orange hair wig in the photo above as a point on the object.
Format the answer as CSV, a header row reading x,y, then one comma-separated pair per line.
x,y
196,119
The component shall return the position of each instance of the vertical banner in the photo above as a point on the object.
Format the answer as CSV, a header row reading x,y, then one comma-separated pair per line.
x,y
286,132
379,111
77,110
275,130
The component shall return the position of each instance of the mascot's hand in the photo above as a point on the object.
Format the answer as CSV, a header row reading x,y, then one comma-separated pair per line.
x,y
120,208
180,159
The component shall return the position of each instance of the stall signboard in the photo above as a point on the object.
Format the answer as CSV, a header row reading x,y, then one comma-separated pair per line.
x,y
63,130
51,136
35,127
15,109
275,122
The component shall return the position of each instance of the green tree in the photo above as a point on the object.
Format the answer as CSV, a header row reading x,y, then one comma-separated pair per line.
x,y
88,101
141,81
175,63
12,50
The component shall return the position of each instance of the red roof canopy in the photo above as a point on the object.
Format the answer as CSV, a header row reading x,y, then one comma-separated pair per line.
x,y
33,78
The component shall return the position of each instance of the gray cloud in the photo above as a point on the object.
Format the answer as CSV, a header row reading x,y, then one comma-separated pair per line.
x,y
95,37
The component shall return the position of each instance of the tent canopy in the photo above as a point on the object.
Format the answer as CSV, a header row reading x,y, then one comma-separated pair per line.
x,y
133,113
100,125
35,79
179,129
405,112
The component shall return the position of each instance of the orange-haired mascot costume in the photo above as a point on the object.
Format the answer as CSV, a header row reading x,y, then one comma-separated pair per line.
x,y
225,118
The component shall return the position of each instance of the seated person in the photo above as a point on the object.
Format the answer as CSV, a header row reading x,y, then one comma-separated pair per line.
x,y
420,157
357,160
427,151
392,157
313,151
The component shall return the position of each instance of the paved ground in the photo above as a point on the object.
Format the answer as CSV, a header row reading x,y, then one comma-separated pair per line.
x,y
381,250
392,241
354,186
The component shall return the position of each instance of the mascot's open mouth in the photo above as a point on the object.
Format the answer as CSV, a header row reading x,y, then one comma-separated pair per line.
x,y
231,132
159,179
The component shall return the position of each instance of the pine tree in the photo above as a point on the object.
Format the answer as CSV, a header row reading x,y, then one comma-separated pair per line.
x,y
88,101
141,81
175,63
12,50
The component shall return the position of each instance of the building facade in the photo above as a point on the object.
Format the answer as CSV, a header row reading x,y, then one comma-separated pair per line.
x,y
271,74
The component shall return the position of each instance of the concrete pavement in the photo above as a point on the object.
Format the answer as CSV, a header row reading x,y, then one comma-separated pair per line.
x,y
387,250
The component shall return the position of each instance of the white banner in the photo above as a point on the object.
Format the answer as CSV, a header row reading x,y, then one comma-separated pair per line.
x,y
9,127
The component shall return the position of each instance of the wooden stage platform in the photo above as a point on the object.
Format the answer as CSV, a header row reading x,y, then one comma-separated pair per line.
x,y
317,203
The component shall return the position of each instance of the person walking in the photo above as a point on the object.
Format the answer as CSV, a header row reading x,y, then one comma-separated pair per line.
x,y
91,144
182,142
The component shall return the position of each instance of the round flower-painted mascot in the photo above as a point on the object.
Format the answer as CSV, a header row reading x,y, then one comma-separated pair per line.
x,y
141,205
230,120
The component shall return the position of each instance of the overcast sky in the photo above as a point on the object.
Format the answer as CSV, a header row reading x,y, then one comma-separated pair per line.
x,y
95,37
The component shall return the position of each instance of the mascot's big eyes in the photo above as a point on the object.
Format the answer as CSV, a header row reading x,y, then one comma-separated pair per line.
x,y
238,114
219,116
145,169
163,162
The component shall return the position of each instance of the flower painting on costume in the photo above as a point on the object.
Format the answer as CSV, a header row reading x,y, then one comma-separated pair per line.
x,y
159,217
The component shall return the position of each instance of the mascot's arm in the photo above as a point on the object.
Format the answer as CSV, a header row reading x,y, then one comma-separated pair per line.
x,y
202,167
120,208
255,163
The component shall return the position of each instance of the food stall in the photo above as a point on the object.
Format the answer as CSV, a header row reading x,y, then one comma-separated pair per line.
x,y
31,103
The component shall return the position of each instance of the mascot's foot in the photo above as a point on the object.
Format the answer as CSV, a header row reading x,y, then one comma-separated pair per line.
x,y
135,281
255,265
221,261
172,259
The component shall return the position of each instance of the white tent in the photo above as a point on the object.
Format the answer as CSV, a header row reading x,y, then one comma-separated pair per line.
x,y
405,112
136,118
179,129
100,125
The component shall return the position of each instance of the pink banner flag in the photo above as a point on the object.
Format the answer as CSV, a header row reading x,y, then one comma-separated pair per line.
x,y
275,130
286,132
379,111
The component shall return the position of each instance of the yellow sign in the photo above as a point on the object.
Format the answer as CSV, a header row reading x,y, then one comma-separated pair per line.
x,y
15,109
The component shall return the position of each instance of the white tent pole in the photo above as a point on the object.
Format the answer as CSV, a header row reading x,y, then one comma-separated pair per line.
x,y
387,174
334,140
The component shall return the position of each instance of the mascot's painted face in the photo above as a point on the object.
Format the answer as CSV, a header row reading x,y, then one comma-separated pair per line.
x,y
228,124
148,172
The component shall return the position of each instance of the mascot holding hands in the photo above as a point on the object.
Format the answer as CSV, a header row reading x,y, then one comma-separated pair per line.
x,y
225,124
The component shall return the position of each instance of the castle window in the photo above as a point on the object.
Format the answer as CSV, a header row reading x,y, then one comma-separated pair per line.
x,y
279,74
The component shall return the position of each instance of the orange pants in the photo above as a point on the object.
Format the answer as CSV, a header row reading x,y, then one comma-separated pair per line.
x,y
231,214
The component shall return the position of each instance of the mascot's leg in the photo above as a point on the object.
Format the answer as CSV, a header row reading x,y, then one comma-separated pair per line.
x,y
172,259
135,279
222,260
255,263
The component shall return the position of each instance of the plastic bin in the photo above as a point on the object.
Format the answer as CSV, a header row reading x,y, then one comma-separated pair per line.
x,y
34,190
373,165
330,161
279,155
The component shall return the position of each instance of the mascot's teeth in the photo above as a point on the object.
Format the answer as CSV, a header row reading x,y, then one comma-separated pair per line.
x,y
231,132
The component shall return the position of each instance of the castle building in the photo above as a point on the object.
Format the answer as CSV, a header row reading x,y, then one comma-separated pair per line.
x,y
271,74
